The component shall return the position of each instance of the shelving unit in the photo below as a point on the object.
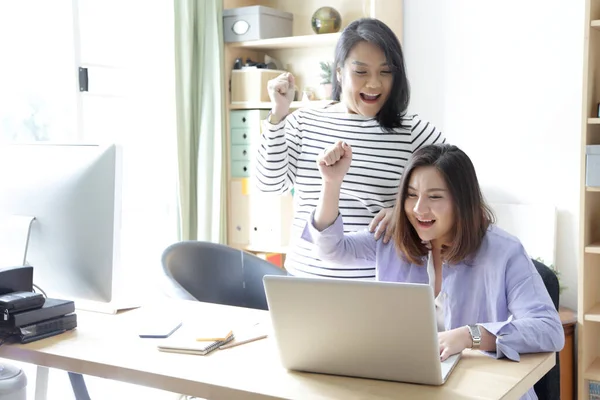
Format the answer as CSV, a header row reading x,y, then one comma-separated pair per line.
x,y
251,105
297,42
299,54
588,318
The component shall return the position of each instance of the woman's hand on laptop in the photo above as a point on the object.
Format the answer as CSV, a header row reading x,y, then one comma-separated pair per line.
x,y
454,341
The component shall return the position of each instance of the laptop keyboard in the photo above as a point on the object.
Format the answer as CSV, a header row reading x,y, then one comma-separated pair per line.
x,y
448,364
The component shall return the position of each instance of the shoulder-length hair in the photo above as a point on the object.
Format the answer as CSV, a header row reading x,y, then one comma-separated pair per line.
x,y
376,32
472,216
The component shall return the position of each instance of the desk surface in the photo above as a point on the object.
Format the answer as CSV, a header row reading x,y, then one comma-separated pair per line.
x,y
108,346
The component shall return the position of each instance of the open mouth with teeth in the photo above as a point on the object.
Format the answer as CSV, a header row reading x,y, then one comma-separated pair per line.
x,y
425,223
370,98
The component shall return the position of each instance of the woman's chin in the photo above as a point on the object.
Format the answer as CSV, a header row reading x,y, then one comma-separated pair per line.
x,y
426,236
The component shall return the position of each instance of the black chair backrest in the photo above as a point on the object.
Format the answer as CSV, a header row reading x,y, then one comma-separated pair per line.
x,y
219,274
548,387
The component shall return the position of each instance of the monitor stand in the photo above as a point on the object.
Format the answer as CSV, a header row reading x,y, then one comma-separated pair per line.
x,y
112,307
15,231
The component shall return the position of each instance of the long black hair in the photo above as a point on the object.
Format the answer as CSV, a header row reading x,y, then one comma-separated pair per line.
x,y
376,32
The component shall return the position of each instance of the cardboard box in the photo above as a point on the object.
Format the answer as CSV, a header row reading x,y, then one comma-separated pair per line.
x,y
251,84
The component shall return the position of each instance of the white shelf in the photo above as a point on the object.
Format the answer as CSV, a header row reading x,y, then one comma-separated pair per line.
x,y
592,189
593,371
265,105
593,314
291,42
593,120
250,105
593,248
262,248
595,24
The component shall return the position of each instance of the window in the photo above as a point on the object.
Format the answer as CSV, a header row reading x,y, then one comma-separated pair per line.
x,y
127,48
37,74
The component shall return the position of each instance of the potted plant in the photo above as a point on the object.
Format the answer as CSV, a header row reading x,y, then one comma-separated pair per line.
x,y
561,288
326,78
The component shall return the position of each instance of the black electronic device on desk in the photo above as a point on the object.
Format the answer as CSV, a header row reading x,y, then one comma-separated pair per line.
x,y
28,316
45,329
16,279
51,308
15,302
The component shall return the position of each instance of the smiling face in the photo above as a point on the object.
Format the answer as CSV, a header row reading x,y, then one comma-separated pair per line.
x,y
366,79
429,206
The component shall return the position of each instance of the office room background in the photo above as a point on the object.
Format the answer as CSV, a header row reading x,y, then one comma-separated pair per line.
x,y
502,79
508,93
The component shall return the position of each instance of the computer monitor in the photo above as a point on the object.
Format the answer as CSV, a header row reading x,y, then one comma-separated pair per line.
x,y
74,194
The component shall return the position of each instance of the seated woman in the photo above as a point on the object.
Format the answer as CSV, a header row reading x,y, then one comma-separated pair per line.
x,y
484,282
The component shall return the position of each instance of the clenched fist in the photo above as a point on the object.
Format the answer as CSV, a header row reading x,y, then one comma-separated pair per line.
x,y
334,162
281,92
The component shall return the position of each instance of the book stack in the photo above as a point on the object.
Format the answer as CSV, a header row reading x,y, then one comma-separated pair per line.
x,y
55,316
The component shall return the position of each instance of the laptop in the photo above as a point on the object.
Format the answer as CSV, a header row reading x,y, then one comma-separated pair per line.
x,y
366,329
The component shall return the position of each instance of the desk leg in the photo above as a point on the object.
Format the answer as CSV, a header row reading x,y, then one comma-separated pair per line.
x,y
41,383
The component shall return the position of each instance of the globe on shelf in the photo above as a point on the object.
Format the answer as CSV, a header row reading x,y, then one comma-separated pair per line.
x,y
326,20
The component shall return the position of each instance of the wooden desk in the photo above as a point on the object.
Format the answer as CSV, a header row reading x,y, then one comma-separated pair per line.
x,y
107,346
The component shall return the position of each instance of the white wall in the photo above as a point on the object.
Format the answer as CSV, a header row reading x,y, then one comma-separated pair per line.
x,y
503,80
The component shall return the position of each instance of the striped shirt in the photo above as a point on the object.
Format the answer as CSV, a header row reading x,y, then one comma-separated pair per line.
x,y
287,157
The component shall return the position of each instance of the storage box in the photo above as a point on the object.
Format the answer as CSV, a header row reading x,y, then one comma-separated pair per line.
x,y
258,219
251,84
592,165
594,390
255,22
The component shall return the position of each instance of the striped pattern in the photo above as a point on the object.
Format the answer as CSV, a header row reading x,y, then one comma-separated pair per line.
x,y
287,158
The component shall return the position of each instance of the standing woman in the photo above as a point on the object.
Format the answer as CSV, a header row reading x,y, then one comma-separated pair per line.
x,y
372,94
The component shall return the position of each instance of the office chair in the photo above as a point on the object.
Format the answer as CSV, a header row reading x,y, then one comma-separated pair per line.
x,y
216,273
548,387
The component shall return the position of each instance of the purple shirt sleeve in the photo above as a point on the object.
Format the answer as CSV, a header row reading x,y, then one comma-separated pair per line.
x,y
331,244
534,324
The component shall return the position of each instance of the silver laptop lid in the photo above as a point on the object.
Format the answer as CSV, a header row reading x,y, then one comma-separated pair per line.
x,y
380,330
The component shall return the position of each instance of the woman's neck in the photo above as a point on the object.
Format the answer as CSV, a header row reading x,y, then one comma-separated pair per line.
x,y
344,105
436,250
439,243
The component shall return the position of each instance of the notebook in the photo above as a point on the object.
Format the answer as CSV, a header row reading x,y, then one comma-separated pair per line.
x,y
190,346
247,335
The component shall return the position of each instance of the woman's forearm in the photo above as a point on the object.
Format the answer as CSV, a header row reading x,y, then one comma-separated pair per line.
x,y
328,207
488,340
